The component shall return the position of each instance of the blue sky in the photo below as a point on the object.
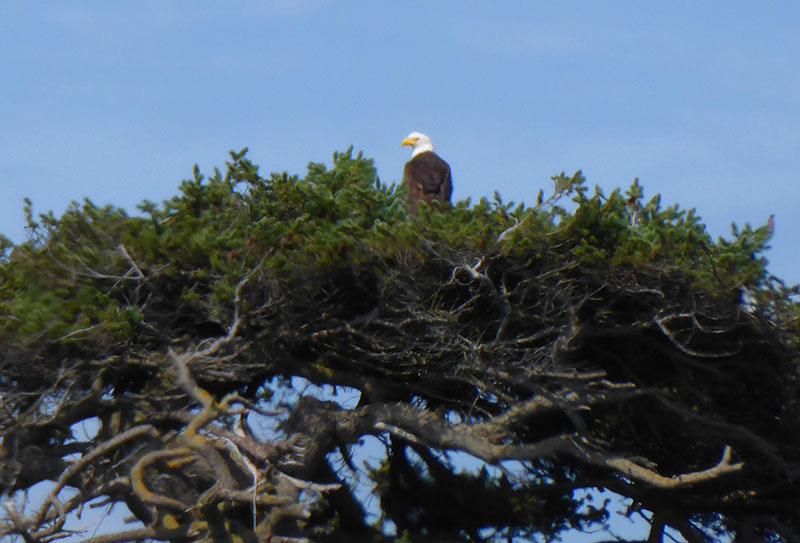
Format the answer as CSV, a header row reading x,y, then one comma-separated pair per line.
x,y
117,100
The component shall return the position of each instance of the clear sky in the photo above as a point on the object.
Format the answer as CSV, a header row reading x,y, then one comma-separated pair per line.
x,y
117,100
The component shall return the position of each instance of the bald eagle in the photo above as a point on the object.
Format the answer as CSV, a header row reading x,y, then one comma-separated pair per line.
x,y
428,176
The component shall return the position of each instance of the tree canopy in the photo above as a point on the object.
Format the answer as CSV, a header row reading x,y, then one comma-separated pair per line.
x,y
503,364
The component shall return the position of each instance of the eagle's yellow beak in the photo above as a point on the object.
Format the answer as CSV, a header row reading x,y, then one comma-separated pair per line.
x,y
409,141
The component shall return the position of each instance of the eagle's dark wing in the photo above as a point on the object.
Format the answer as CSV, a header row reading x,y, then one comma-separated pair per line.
x,y
447,186
428,178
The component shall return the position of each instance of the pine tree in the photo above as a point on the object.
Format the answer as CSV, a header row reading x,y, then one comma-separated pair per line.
x,y
300,359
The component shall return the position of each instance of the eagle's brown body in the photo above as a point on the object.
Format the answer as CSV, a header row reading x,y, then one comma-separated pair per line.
x,y
428,178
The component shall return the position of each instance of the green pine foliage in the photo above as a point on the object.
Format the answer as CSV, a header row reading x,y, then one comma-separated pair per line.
x,y
68,282
665,345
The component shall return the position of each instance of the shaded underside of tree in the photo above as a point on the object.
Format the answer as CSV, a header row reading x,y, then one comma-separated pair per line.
x,y
613,346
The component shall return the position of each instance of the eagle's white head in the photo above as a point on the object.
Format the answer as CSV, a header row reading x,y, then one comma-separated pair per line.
x,y
420,143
